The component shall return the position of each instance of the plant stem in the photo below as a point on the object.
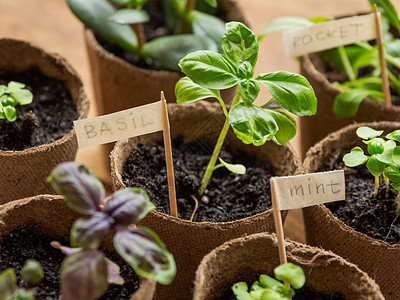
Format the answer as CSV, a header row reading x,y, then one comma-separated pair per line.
x,y
217,150
184,25
190,5
346,63
390,59
387,186
376,188
138,28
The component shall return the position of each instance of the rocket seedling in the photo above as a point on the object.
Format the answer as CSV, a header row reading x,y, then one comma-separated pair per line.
x,y
12,95
86,272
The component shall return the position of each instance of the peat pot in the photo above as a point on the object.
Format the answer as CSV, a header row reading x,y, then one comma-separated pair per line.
x,y
246,258
190,241
50,216
323,229
23,173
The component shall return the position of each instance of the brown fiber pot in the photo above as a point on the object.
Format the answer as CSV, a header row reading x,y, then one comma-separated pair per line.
x,y
23,173
245,259
373,256
190,241
51,216
315,128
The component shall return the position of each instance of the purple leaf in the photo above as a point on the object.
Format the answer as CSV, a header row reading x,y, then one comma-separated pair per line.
x,y
64,249
84,275
146,253
113,273
83,192
128,206
88,233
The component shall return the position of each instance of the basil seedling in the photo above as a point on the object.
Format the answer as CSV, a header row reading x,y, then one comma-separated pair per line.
x,y
209,72
10,96
268,288
32,274
86,272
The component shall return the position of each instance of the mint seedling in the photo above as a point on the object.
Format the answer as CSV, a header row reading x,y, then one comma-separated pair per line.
x,y
86,272
12,95
32,274
209,72
268,288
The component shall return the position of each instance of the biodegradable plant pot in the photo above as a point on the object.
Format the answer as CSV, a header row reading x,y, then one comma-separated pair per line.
x,y
245,259
323,229
50,215
23,173
190,241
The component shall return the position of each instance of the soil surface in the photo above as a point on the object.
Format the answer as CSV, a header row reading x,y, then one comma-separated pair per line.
x,y
46,119
228,197
32,243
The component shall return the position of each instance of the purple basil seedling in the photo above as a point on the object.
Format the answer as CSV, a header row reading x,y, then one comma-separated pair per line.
x,y
86,272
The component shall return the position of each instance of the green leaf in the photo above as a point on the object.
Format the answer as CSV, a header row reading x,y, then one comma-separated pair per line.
x,y
88,233
249,89
374,166
209,69
240,291
376,146
396,186
32,273
290,274
146,253
392,174
178,6
367,133
8,284
395,135
186,91
23,294
14,86
396,155
82,190
169,50
209,26
269,282
268,294
355,158
122,1
10,113
286,126
388,10
23,97
284,23
95,13
292,91
245,70
212,3
252,124
240,43
234,168
390,144
84,275
386,157
129,16
393,47
346,104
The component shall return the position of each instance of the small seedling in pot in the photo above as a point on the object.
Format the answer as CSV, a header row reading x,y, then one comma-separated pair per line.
x,y
268,288
383,159
31,274
209,72
12,95
86,272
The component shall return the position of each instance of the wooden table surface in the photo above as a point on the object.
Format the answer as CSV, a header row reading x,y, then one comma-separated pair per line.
x,y
50,25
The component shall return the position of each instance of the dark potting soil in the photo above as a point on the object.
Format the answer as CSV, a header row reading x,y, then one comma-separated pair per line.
x,y
228,196
32,243
46,119
374,217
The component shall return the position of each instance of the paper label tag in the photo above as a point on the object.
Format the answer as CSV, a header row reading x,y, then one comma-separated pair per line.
x,y
120,125
300,191
328,35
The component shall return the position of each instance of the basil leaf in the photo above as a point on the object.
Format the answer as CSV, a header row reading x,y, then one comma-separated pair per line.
x,y
10,112
240,43
32,273
234,168
355,158
209,26
286,127
129,16
392,174
65,249
88,233
113,273
395,135
290,274
252,124
376,146
291,91
83,192
209,69
375,167
23,97
283,24
346,104
186,91
367,133
249,89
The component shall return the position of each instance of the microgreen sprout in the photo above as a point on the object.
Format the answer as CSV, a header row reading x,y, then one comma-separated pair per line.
x,y
10,96
209,72
86,272
32,274
268,288
383,159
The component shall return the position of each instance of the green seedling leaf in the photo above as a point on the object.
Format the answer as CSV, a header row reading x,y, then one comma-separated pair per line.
x,y
245,70
14,86
10,112
283,24
267,294
240,291
169,50
367,133
234,168
186,91
113,273
23,294
396,186
129,16
8,284
249,89
252,124
123,2
388,10
209,69
22,96
146,253
292,91
376,146
95,13
386,157
240,43
286,126
392,174
355,158
390,144
290,274
212,3
375,166
83,192
347,103
32,273
88,233
395,136
84,275
209,26
269,282
128,206
393,47
396,155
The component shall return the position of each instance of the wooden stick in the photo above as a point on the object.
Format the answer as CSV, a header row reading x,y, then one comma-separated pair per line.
x,y
379,39
278,224
168,159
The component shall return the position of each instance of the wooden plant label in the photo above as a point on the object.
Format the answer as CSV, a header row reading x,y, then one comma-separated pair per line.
x,y
120,125
300,191
329,34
